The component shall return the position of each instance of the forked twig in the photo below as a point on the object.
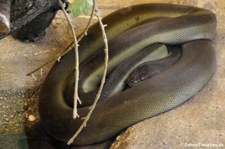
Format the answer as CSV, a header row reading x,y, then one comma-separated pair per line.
x,y
70,46
95,12
86,118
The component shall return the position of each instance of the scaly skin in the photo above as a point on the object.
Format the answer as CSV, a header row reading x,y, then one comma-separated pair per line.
x,y
154,96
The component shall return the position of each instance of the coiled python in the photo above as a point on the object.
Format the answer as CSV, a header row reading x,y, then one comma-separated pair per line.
x,y
129,31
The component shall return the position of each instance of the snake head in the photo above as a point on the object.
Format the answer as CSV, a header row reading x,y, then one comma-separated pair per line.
x,y
138,75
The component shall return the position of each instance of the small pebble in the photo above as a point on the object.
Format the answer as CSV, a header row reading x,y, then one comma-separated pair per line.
x,y
31,118
6,119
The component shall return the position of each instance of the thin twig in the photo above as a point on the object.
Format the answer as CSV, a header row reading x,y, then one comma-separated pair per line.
x,y
76,98
102,80
84,33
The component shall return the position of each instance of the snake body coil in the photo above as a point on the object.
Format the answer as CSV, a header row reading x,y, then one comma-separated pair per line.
x,y
129,33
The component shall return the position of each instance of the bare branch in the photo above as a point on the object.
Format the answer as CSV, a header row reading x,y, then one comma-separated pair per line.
x,y
102,80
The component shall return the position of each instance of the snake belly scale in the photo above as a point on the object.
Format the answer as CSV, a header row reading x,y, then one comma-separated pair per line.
x,y
191,27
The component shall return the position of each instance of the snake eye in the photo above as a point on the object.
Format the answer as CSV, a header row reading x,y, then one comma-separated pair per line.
x,y
132,81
